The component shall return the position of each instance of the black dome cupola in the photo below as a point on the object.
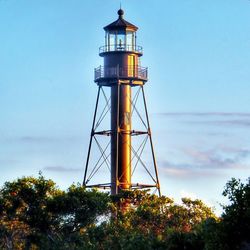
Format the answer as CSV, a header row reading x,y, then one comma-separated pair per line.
x,y
120,24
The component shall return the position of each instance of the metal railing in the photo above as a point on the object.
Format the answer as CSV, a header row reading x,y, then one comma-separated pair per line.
x,y
121,72
120,47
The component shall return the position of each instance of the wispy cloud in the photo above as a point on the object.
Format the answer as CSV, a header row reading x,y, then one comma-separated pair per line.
x,y
184,170
220,157
223,123
30,139
223,119
9,161
209,163
34,139
245,123
205,114
242,152
61,169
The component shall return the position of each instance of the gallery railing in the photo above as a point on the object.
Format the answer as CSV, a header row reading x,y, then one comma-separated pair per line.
x,y
120,47
121,72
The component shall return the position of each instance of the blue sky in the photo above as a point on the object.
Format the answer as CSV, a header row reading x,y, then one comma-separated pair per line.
x,y
198,54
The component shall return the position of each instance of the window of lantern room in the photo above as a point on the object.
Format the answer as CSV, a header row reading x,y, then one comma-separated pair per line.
x,y
120,40
111,41
130,40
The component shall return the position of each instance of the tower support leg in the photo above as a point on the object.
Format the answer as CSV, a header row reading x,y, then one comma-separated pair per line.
x,y
91,136
151,142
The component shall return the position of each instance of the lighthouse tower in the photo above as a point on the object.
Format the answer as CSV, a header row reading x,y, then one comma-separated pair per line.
x,y
121,74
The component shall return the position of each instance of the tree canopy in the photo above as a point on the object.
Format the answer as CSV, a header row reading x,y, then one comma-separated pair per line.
x,y
36,214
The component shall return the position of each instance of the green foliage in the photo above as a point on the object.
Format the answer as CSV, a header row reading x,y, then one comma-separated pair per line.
x,y
24,213
36,214
153,222
236,217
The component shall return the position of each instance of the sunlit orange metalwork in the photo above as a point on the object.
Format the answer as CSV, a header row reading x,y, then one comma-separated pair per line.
x,y
121,73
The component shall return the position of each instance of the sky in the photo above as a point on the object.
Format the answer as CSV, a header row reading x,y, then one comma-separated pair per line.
x,y
198,93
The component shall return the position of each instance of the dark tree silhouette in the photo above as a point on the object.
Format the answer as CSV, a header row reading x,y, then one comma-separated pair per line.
x,y
36,214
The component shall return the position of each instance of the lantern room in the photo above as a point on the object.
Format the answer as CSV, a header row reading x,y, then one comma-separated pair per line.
x,y
120,36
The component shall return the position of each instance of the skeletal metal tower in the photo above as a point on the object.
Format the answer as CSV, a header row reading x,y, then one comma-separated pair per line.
x,y
121,74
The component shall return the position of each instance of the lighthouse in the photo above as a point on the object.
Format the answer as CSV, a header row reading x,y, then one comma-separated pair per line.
x,y
121,75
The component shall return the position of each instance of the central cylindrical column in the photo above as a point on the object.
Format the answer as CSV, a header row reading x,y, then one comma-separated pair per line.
x,y
121,137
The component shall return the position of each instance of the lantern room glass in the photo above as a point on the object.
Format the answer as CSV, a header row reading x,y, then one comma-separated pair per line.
x,y
111,41
120,40
130,41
